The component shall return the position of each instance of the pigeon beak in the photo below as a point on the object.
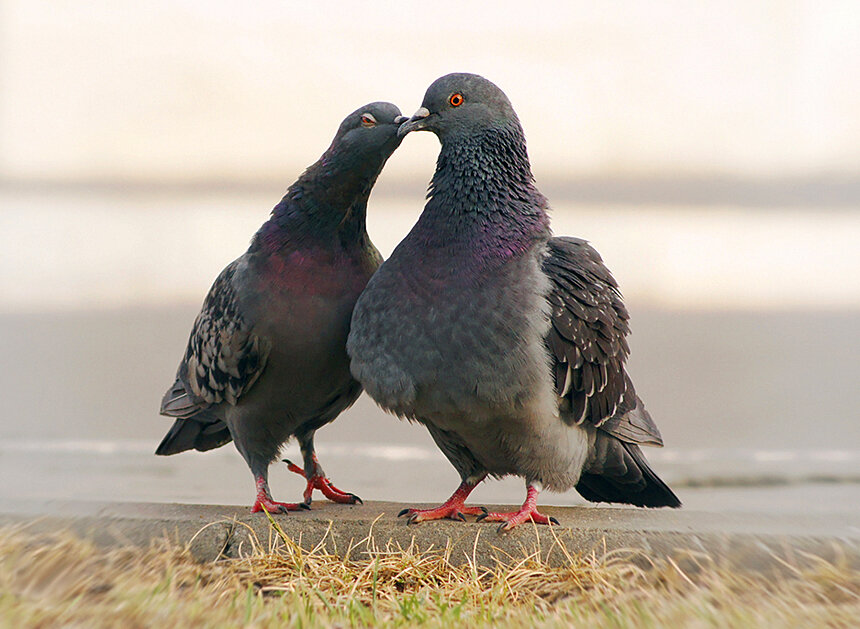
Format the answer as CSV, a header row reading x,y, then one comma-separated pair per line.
x,y
400,120
417,122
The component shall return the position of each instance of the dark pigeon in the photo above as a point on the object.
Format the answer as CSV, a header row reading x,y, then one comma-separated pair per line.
x,y
506,343
266,360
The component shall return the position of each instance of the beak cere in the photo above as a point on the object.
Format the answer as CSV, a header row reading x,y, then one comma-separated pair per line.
x,y
415,123
400,119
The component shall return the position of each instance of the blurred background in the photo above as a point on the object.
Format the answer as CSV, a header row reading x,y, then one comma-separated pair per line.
x,y
710,151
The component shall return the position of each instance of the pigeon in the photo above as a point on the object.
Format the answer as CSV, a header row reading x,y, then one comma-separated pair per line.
x,y
266,360
507,343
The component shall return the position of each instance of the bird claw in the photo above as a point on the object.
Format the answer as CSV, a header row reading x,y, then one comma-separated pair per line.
x,y
415,517
270,506
515,518
336,495
324,485
293,467
439,513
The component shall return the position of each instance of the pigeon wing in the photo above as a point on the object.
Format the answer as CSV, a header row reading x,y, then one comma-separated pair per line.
x,y
587,344
224,357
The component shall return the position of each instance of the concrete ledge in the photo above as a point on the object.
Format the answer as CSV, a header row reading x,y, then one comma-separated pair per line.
x,y
741,541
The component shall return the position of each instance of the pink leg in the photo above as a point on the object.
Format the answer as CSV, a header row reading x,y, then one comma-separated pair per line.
x,y
452,509
264,500
527,512
322,483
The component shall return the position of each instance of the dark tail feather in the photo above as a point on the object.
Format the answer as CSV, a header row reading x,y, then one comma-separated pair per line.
x,y
178,403
194,434
622,475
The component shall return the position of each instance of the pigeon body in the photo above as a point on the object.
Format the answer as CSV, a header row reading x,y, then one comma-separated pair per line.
x,y
506,343
266,358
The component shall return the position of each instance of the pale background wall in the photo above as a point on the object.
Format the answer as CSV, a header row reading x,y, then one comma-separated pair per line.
x,y
195,89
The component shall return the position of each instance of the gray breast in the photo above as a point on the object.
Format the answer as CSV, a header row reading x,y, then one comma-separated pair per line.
x,y
427,347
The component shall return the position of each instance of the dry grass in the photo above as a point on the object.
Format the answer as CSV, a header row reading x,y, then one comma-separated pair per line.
x,y
63,581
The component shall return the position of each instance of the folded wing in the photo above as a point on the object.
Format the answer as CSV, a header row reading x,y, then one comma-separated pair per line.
x,y
223,360
588,348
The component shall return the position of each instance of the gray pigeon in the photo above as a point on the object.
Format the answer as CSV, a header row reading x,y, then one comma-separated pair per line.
x,y
266,360
506,343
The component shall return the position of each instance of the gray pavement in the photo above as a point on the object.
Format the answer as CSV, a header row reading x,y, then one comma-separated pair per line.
x,y
752,541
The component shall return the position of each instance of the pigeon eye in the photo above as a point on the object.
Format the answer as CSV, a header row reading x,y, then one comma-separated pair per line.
x,y
456,99
368,120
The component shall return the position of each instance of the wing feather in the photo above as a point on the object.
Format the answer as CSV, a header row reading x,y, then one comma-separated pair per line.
x,y
224,357
587,344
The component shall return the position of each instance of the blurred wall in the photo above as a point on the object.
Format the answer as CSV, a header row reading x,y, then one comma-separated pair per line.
x,y
191,89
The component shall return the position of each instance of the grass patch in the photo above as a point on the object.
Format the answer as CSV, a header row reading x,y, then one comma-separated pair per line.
x,y
63,581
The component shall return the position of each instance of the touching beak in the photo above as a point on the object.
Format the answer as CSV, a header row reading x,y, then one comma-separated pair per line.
x,y
417,122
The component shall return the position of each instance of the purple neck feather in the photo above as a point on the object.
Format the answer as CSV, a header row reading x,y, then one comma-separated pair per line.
x,y
483,197
326,204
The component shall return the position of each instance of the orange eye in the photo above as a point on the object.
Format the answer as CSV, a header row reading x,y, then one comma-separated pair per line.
x,y
456,100
368,120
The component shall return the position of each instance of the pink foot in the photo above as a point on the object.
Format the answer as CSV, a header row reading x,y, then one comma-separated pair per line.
x,y
272,506
324,485
528,512
452,509
331,492
264,500
442,512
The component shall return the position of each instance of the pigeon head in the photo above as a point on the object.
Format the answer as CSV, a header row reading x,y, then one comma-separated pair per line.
x,y
368,134
483,189
348,168
332,192
459,105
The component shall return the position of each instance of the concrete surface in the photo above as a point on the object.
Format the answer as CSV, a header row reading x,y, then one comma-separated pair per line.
x,y
747,541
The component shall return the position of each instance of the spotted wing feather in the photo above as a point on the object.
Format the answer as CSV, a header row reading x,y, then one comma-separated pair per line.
x,y
587,344
223,358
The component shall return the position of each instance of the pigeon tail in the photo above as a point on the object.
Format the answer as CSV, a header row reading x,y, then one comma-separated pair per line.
x,y
177,403
200,433
625,477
